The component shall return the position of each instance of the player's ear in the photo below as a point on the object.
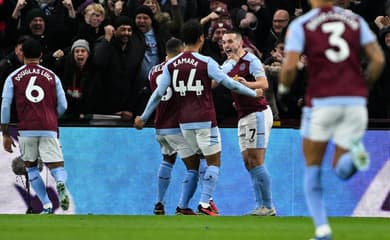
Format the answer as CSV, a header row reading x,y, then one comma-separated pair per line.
x,y
201,38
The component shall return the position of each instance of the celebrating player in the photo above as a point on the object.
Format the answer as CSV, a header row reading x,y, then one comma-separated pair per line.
x,y
190,75
336,94
171,141
39,99
255,119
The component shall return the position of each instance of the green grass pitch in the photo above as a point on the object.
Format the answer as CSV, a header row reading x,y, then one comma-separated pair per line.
x,y
96,227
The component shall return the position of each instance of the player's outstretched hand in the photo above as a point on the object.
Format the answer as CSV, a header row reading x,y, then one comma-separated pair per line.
x,y
8,143
139,123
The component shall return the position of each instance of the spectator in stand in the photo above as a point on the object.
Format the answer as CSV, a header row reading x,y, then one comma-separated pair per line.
x,y
114,9
92,25
213,43
150,38
78,81
8,35
218,11
280,21
171,24
188,8
36,26
117,60
263,25
237,17
10,63
379,99
55,28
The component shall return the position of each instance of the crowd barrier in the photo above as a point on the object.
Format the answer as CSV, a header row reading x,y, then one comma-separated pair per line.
x,y
113,170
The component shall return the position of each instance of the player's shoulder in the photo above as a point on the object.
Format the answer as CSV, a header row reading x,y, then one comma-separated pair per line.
x,y
158,66
345,12
202,57
250,57
301,20
16,71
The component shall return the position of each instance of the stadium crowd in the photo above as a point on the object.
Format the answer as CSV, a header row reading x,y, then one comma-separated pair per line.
x,y
102,50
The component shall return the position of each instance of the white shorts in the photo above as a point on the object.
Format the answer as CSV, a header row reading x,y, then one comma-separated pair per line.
x,y
254,129
170,144
342,124
207,140
48,149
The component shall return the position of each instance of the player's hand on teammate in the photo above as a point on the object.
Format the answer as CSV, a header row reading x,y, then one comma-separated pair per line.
x,y
259,92
139,123
8,143
241,80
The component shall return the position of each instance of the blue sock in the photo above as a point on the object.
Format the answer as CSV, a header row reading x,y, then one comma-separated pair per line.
x,y
209,183
38,185
345,167
164,178
313,194
59,174
263,180
188,188
202,169
256,187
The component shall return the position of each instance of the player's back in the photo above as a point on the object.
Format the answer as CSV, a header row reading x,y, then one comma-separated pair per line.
x,y
165,114
192,87
35,98
332,39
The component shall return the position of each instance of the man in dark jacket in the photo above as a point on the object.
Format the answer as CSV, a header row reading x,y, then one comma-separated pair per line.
x,y
117,60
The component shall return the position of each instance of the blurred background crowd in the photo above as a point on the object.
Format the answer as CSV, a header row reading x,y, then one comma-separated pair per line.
x,y
102,50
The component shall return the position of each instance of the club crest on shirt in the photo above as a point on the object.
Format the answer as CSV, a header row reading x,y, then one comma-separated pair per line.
x,y
242,66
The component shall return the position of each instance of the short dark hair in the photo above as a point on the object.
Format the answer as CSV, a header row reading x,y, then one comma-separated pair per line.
x,y
174,46
22,39
191,31
32,48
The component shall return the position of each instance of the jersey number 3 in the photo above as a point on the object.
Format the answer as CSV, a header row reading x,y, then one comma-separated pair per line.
x,y
34,93
336,30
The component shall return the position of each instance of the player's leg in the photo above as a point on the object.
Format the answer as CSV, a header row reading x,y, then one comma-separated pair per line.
x,y
350,154
209,183
51,154
189,185
209,142
316,129
164,172
29,154
254,132
191,161
314,152
202,170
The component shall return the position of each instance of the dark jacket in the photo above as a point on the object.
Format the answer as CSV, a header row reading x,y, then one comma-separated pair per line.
x,y
115,72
